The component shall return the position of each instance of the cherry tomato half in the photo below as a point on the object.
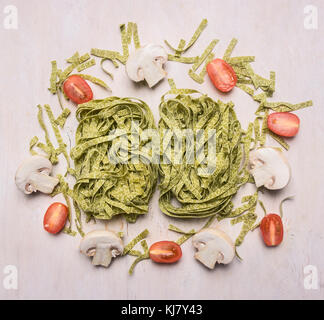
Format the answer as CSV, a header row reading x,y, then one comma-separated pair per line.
x,y
284,124
222,75
55,217
77,89
272,229
165,252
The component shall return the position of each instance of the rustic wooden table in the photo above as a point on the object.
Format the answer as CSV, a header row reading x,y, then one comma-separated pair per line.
x,y
276,32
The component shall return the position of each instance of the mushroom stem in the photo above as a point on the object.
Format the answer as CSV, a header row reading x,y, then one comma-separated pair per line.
x,y
102,256
208,257
102,245
42,182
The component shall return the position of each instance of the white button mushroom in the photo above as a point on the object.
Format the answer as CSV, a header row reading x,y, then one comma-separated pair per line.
x,y
213,245
147,63
269,168
102,245
33,175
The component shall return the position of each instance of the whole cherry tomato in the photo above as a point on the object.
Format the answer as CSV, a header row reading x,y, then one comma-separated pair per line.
x,y
222,75
272,229
165,252
55,217
284,124
77,89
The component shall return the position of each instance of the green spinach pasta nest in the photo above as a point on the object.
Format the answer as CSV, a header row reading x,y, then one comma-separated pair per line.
x,y
106,188
188,190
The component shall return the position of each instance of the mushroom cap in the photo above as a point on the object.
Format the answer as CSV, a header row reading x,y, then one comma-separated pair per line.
x,y
29,170
213,245
110,239
146,63
269,168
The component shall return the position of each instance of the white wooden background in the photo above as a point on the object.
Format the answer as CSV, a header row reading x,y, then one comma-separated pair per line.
x,y
51,267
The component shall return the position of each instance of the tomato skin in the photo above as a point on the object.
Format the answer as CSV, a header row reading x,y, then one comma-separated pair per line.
x,y
272,229
165,252
55,217
284,124
77,89
222,75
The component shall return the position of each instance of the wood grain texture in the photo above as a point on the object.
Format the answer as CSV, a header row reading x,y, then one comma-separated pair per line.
x,y
51,267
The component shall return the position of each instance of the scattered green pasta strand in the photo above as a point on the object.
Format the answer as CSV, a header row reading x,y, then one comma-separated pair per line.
x,y
33,143
281,203
84,58
140,256
64,189
86,65
105,70
263,207
185,237
229,50
133,243
53,77
247,77
48,148
95,80
181,49
188,60
75,62
60,121
62,145
188,234
143,256
127,34
248,219
196,62
279,139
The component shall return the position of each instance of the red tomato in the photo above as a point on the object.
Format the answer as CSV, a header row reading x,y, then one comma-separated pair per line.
x,y
222,75
77,89
272,229
284,124
165,252
55,217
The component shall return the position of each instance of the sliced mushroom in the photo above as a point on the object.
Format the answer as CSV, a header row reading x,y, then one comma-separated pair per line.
x,y
213,245
102,245
269,168
34,175
147,63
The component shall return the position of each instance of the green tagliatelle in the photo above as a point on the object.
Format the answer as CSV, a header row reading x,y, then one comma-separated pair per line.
x,y
250,82
105,188
181,48
197,61
58,76
127,34
201,195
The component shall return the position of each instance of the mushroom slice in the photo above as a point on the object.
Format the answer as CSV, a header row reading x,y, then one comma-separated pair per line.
x,y
147,63
269,168
213,245
102,245
34,175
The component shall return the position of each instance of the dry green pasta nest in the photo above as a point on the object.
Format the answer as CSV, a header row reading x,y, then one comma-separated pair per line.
x,y
184,192
103,188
